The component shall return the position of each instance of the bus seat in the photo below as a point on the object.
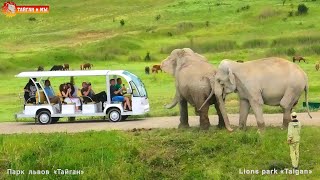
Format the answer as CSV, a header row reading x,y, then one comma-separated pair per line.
x,y
60,96
42,97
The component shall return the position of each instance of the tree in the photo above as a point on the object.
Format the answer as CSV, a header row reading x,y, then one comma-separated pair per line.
x,y
302,9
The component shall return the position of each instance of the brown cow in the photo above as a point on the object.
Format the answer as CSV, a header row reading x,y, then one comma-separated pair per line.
x,y
318,66
86,66
298,58
66,67
156,68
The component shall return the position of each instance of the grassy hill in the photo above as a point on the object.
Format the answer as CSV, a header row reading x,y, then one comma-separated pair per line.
x,y
90,31
158,154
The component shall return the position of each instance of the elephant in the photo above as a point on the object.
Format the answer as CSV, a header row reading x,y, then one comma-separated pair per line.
x,y
272,81
192,72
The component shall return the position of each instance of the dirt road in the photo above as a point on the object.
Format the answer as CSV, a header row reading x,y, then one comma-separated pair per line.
x,y
156,122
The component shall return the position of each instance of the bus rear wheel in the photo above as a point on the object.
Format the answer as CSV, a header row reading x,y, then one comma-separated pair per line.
x,y
44,117
114,115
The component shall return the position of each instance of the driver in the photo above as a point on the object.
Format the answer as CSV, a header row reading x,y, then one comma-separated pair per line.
x,y
116,95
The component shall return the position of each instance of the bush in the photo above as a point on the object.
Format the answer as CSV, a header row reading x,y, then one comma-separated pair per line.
x,y
158,17
255,43
290,13
134,57
147,57
122,22
291,52
268,13
302,9
32,19
207,23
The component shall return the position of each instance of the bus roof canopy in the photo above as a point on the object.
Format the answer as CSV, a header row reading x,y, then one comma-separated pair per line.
x,y
35,74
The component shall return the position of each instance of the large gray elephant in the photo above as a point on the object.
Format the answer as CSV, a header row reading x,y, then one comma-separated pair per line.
x,y
192,72
272,81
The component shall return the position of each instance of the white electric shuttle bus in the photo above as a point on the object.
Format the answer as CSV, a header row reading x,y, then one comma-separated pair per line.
x,y
45,112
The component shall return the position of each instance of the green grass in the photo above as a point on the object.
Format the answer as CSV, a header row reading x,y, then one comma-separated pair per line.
x,y
158,154
79,31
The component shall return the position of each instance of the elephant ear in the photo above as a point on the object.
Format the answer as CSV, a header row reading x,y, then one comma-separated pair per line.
x,y
181,60
231,77
181,53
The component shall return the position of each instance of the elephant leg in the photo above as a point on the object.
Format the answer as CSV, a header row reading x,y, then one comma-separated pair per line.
x,y
204,119
196,111
257,109
221,123
244,111
288,101
183,114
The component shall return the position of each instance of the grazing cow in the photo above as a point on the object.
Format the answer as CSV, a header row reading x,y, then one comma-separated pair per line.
x,y
298,58
57,68
156,68
147,70
86,66
40,68
66,67
239,61
318,66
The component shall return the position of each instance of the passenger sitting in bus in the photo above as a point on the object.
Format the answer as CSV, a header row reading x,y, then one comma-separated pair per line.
x,y
50,93
66,94
30,91
76,90
88,91
73,90
116,95
119,85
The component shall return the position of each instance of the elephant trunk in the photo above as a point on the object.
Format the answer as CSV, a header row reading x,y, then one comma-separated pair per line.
x,y
218,91
223,112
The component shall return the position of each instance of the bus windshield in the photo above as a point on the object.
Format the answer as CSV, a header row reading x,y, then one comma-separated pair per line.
x,y
138,83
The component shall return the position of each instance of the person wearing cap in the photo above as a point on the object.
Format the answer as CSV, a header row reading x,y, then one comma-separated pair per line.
x,y
294,139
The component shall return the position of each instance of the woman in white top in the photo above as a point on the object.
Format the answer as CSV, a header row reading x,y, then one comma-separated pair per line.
x,y
66,93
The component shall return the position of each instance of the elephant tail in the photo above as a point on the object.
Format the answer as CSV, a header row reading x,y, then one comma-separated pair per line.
x,y
210,95
306,89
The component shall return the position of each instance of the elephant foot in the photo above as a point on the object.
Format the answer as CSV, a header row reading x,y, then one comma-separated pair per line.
x,y
221,126
183,125
261,131
243,128
204,126
284,127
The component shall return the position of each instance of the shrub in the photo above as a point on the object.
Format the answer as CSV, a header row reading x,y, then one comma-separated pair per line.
x,y
122,22
267,13
207,23
147,57
108,56
215,46
134,57
169,34
302,9
255,43
290,13
32,19
158,17
291,52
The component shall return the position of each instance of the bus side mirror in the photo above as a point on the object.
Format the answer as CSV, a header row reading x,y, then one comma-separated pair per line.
x,y
129,91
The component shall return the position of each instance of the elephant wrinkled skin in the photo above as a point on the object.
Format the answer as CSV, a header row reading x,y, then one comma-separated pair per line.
x,y
192,74
272,81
